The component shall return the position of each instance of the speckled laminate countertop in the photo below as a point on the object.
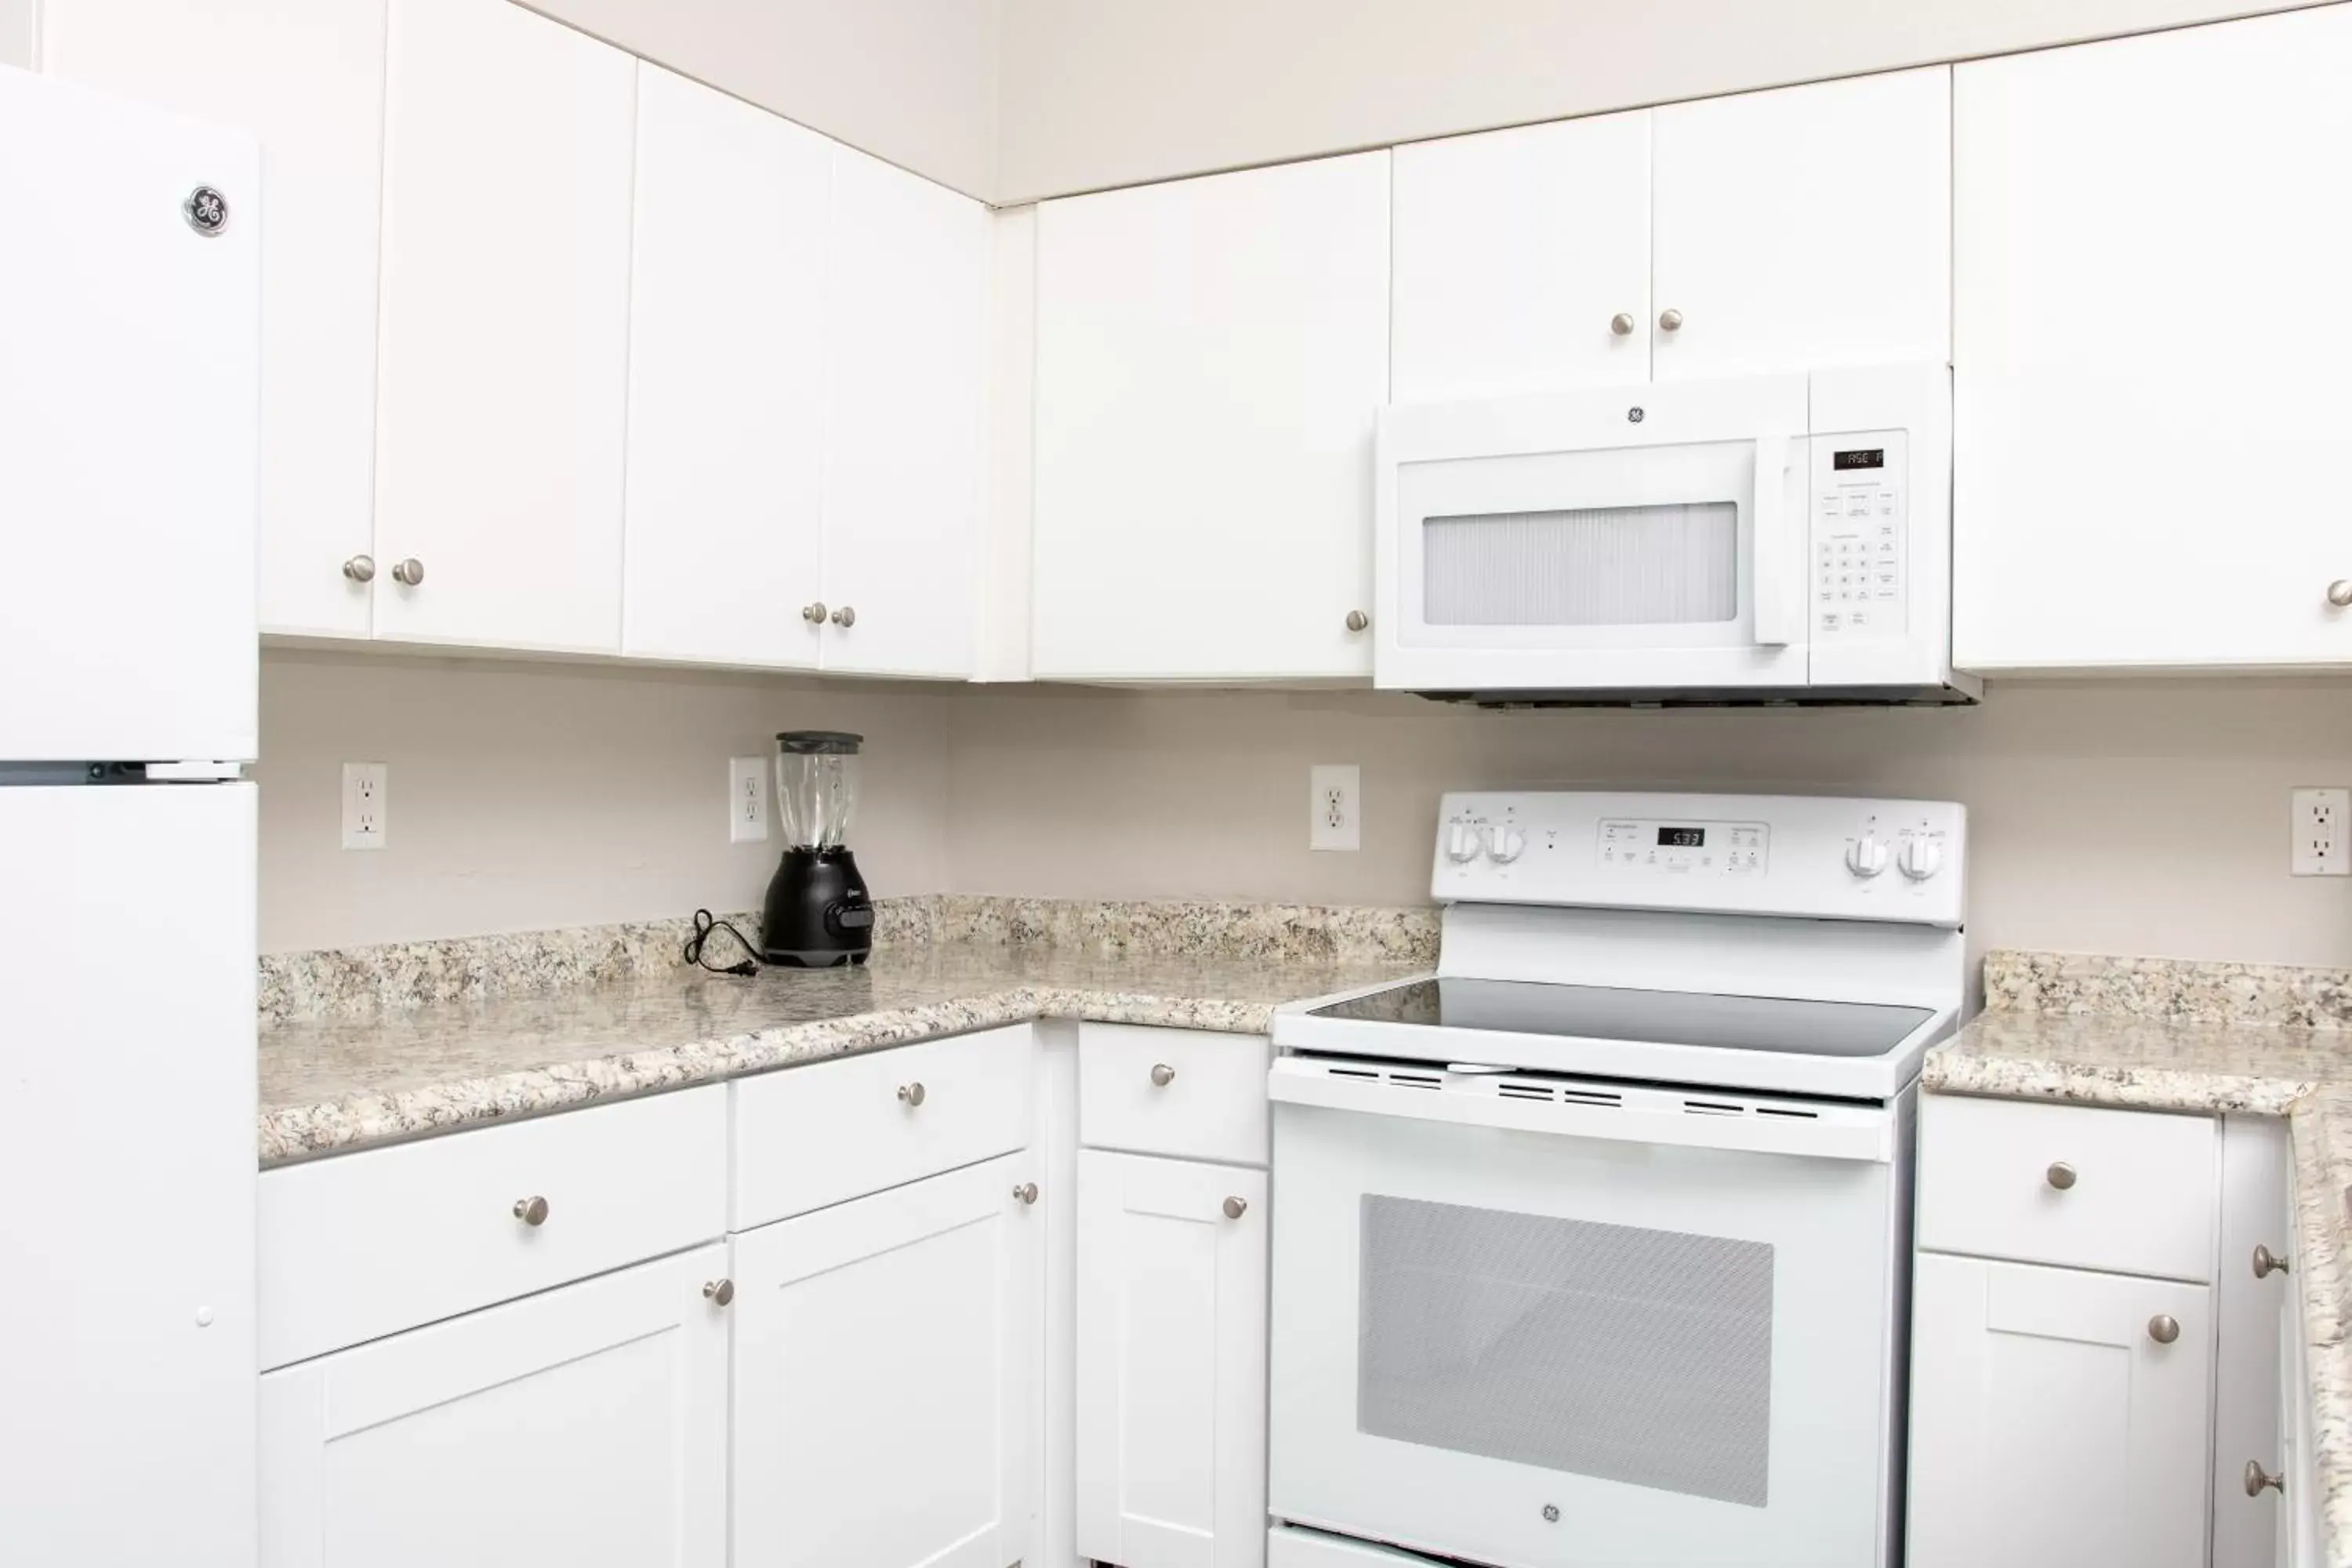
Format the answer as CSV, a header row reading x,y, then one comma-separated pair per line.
x,y
2214,1067
329,1085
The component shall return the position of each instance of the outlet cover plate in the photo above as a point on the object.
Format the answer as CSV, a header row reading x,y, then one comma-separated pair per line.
x,y
2322,835
1335,806
366,805
746,800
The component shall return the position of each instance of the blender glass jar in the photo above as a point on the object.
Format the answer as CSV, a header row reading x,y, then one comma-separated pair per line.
x,y
816,787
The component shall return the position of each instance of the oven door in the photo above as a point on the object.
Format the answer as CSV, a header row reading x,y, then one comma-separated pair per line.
x,y
1542,1332
1647,537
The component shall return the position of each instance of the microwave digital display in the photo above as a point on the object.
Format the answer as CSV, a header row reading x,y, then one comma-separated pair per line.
x,y
1680,837
1863,458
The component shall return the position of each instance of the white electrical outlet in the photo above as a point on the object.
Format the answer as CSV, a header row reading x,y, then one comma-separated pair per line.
x,y
365,785
1335,792
746,800
2321,845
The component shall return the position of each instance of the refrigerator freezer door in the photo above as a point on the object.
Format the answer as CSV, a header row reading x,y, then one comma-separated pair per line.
x,y
129,356
127,1175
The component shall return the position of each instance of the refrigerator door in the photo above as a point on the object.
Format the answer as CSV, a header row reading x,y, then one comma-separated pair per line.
x,y
130,356
126,1161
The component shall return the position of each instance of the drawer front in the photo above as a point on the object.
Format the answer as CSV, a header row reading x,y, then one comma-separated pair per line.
x,y
365,1245
1183,1092
807,1137
2124,1191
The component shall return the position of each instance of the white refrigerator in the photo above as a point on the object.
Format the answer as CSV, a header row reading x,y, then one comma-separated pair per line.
x,y
130,289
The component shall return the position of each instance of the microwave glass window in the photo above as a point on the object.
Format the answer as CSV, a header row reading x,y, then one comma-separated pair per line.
x,y
1595,566
1632,1355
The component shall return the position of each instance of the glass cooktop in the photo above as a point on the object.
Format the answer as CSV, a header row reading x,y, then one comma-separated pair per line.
x,y
1650,1017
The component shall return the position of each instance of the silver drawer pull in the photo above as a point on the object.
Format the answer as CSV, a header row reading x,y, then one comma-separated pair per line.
x,y
912,1093
1235,1208
2267,1263
2256,1480
1163,1075
2164,1328
1026,1191
2060,1176
531,1210
719,1292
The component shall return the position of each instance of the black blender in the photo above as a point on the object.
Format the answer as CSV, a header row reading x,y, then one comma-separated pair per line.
x,y
817,914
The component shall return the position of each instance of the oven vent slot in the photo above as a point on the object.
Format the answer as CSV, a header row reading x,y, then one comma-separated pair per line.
x,y
1416,1081
1601,1097
1525,1091
1367,1073
1788,1111
1712,1108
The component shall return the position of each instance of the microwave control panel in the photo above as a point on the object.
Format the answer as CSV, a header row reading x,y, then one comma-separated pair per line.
x,y
1860,494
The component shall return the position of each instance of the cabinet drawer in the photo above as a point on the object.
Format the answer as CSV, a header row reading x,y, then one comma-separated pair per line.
x,y
1212,1105
366,1245
810,1136
2141,1198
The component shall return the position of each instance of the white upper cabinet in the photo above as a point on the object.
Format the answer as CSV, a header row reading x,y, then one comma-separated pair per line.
x,y
1522,260
1802,228
905,469
2151,325
305,79
503,347
726,379
1212,355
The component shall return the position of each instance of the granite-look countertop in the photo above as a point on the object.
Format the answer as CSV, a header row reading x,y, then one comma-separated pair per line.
x,y
2209,1062
333,1084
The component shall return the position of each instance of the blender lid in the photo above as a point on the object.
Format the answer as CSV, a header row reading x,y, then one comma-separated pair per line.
x,y
819,742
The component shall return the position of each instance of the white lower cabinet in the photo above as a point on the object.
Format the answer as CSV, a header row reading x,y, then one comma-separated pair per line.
x,y
586,1426
885,1362
1171,1347
2058,1416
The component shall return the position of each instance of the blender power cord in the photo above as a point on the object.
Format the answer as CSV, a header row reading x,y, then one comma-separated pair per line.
x,y
705,923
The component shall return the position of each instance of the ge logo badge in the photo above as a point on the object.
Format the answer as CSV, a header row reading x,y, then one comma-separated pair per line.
x,y
207,211
1633,415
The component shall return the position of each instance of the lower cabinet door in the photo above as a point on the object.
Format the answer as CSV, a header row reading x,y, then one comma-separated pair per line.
x,y
1172,1362
886,1396
2059,1417
585,1427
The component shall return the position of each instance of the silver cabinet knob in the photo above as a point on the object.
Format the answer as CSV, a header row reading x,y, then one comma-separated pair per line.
x,y
845,617
2256,1480
2060,1174
359,568
2164,1328
2267,1263
530,1210
814,614
409,573
719,1292
2339,593
1163,1075
1622,324
1235,1208
1026,1191
1670,320
912,1093
1358,620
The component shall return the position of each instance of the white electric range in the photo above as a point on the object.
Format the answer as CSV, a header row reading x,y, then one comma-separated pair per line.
x,y
1593,1246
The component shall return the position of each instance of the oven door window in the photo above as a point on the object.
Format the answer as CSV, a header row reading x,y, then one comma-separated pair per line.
x,y
1674,564
1633,1355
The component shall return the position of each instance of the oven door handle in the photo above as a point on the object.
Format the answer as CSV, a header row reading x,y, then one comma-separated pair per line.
x,y
1864,1134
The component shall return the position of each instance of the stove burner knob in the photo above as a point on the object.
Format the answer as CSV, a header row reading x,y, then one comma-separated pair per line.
x,y
1865,857
1461,840
1921,859
1503,845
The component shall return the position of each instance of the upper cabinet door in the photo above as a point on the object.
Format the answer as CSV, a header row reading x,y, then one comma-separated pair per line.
x,y
1522,261
1212,355
726,379
503,349
1802,228
2151,327
305,78
905,471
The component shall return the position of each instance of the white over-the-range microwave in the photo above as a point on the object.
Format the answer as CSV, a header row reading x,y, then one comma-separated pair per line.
x,y
1769,539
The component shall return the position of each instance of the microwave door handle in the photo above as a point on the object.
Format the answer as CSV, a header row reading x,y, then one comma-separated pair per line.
x,y
1776,610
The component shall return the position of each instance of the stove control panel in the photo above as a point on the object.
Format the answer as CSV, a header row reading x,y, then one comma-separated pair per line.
x,y
1811,856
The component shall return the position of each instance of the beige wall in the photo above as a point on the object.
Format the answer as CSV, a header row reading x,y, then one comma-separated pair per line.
x,y
2135,818
913,81
1099,94
541,794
